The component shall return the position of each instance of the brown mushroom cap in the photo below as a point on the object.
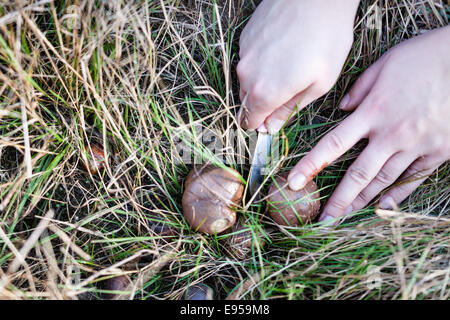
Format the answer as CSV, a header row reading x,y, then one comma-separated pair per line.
x,y
292,208
209,195
96,159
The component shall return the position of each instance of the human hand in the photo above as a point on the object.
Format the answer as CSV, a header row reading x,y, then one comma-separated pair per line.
x,y
402,105
291,53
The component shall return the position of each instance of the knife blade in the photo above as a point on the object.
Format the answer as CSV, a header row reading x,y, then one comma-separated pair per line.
x,y
260,161
260,158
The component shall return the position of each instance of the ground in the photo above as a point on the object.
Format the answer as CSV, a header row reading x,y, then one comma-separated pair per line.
x,y
143,80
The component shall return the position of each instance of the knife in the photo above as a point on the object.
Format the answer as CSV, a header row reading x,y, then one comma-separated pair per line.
x,y
260,161
260,158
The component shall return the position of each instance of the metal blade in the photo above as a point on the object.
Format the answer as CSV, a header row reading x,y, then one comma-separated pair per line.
x,y
260,162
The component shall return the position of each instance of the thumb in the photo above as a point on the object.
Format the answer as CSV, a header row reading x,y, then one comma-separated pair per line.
x,y
287,111
362,86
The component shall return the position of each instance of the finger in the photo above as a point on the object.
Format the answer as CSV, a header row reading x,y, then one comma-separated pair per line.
x,y
390,172
358,176
413,177
362,86
259,98
280,116
264,97
330,147
253,114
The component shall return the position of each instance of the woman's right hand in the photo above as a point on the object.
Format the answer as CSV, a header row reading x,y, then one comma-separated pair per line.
x,y
291,53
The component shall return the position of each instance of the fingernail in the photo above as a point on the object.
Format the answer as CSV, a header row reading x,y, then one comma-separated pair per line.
x,y
386,203
349,209
327,220
274,125
262,128
297,181
344,102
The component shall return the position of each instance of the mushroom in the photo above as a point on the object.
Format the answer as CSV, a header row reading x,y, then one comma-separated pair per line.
x,y
240,244
292,208
199,291
209,197
96,160
119,283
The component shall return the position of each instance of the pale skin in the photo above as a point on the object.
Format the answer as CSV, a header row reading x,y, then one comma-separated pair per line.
x,y
292,52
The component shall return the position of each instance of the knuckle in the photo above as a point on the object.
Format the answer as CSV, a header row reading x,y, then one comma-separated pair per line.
x,y
384,177
323,87
415,172
409,129
402,188
420,125
241,69
338,205
309,165
286,108
438,143
321,67
359,175
414,169
284,111
376,102
363,198
260,94
324,77
402,132
335,143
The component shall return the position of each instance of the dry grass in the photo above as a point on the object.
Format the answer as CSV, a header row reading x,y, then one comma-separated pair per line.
x,y
136,76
